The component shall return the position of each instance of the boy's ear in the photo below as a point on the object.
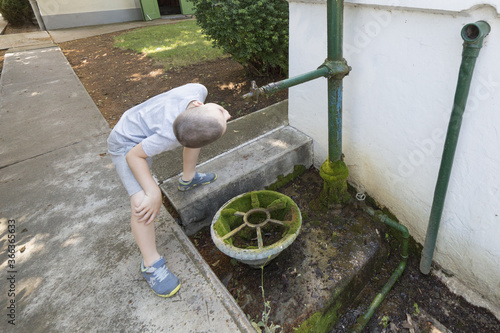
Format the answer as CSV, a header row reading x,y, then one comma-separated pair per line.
x,y
197,103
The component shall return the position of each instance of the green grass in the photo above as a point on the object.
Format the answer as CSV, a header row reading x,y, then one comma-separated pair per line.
x,y
174,45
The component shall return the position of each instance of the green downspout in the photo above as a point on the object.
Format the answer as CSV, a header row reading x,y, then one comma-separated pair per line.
x,y
333,171
473,35
365,318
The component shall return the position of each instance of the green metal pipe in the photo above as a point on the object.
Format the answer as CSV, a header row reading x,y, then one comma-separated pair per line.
x,y
334,120
287,83
334,68
335,31
473,35
365,318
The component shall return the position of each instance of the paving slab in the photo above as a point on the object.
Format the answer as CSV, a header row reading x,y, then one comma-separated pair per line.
x,y
45,105
74,264
26,39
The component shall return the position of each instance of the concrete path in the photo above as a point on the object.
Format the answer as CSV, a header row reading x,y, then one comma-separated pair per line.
x,y
74,264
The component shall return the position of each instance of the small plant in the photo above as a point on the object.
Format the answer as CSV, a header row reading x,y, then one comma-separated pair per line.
x,y
417,310
385,321
263,326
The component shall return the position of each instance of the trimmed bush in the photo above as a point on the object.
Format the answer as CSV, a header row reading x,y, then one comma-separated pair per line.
x,y
254,32
16,12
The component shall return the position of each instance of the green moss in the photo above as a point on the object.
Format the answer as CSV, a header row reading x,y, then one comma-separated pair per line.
x,y
255,200
321,322
316,206
298,171
335,187
281,206
278,204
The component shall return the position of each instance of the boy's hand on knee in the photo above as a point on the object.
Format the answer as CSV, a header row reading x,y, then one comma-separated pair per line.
x,y
149,207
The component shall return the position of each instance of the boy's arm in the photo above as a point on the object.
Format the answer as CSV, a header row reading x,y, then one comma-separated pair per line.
x,y
150,206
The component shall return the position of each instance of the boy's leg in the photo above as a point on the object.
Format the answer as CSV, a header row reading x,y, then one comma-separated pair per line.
x,y
153,268
190,158
144,234
190,178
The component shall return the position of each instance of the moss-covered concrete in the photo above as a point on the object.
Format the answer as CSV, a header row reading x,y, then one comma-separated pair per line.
x,y
298,171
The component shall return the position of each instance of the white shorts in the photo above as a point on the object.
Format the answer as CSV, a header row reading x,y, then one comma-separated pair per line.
x,y
118,156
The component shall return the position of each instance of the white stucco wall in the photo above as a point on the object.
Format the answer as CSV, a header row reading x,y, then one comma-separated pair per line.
x,y
58,14
52,7
405,56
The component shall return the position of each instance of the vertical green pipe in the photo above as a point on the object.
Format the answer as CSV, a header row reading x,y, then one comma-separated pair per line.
x,y
473,35
335,14
334,120
334,171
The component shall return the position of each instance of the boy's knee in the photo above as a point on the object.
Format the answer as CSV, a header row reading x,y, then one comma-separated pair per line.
x,y
136,199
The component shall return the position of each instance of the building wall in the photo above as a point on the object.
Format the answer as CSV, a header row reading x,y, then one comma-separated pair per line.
x,y
405,56
69,13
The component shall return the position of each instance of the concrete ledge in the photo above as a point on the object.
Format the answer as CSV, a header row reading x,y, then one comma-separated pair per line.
x,y
239,131
250,167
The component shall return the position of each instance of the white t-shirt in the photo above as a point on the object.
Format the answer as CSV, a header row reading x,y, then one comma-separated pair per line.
x,y
151,122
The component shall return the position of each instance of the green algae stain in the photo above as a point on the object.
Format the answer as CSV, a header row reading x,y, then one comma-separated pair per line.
x,y
298,171
321,322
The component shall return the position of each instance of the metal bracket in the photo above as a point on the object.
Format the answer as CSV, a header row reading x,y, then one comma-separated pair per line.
x,y
337,69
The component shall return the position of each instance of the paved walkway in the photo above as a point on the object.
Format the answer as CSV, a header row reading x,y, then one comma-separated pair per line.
x,y
76,265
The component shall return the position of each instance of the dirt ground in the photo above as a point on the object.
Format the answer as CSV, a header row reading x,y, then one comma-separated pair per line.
x,y
117,80
416,303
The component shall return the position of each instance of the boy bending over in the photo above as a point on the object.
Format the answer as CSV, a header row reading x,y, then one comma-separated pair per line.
x,y
178,116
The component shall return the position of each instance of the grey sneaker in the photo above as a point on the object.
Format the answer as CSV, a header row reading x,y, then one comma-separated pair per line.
x,y
163,282
198,179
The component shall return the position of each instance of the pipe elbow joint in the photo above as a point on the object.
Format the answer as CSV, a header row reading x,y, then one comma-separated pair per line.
x,y
474,33
337,69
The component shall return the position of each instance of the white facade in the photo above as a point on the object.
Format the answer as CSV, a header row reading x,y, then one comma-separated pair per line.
x,y
58,14
405,56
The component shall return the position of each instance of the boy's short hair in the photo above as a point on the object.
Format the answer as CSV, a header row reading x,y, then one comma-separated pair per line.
x,y
195,127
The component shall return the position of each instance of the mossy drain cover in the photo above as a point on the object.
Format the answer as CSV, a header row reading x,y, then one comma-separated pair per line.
x,y
255,227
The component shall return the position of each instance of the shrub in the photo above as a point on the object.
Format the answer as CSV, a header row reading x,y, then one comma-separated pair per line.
x,y
16,12
254,32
